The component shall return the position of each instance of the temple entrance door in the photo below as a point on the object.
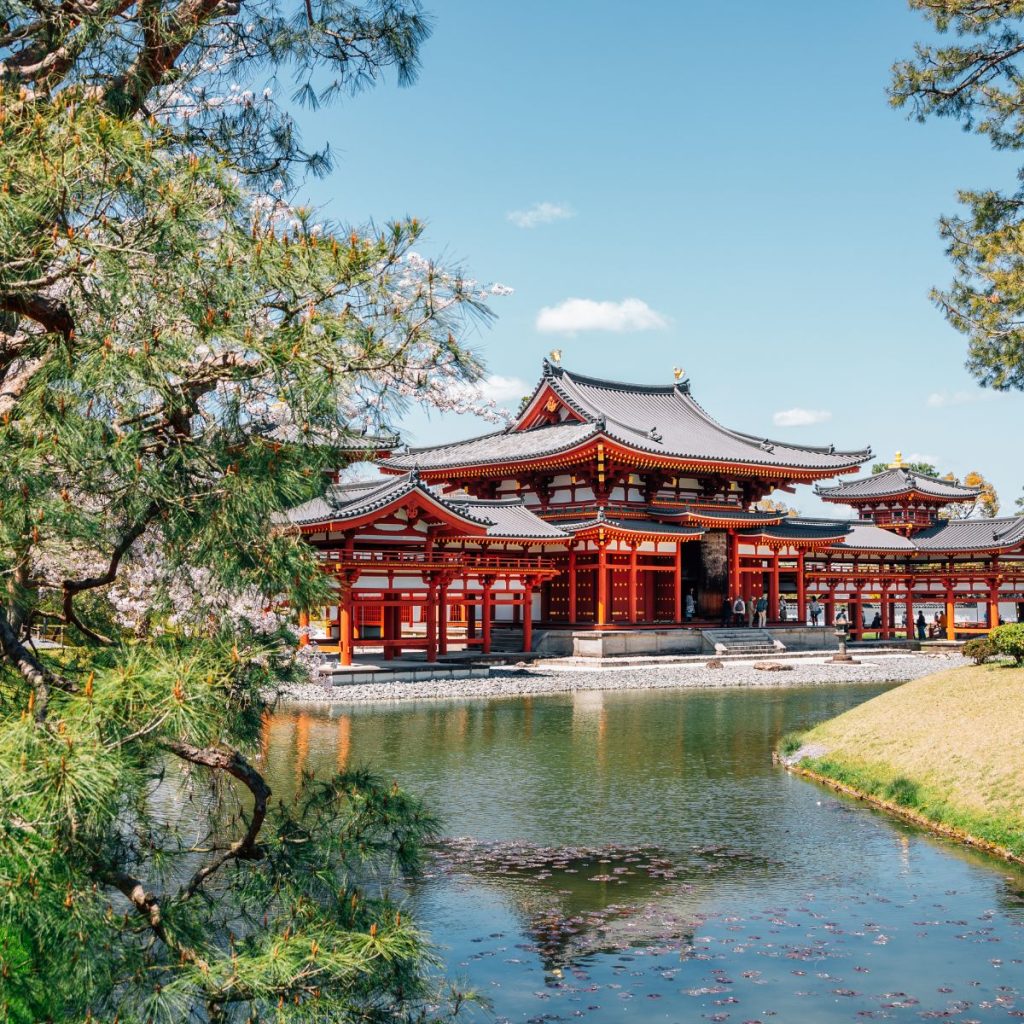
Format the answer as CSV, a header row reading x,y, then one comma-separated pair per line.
x,y
710,555
693,579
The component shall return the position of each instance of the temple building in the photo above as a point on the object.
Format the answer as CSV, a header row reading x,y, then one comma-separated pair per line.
x,y
613,506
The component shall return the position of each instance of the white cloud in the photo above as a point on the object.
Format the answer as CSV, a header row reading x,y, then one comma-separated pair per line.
x,y
942,399
496,388
540,213
587,315
800,417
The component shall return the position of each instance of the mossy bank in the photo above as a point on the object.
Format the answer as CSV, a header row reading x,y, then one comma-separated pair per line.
x,y
945,751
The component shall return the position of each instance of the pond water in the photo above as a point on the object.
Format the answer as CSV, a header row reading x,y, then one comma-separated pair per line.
x,y
636,856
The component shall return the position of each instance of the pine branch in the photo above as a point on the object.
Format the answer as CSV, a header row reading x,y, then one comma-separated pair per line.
x,y
232,762
71,588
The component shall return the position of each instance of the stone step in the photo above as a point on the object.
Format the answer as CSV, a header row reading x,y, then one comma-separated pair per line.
x,y
745,641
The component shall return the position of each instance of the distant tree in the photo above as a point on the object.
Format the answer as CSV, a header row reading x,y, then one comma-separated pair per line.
x,y
985,506
978,80
778,507
923,468
1020,503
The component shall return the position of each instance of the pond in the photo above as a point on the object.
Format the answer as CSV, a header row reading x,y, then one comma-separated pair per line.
x,y
636,855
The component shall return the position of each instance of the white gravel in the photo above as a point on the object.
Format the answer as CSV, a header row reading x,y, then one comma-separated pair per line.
x,y
891,668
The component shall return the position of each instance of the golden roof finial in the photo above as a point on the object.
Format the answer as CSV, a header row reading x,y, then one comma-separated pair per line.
x,y
556,355
897,463
677,372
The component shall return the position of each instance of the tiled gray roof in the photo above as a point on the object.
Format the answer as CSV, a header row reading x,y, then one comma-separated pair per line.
x,y
868,537
733,513
352,501
797,530
503,519
503,446
509,518
893,482
635,526
653,419
667,420
972,534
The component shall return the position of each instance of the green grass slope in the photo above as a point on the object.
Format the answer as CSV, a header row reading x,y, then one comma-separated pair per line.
x,y
948,748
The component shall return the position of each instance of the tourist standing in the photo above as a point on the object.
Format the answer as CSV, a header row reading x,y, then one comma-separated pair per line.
x,y
762,611
751,611
726,611
922,626
739,606
783,610
691,606
815,610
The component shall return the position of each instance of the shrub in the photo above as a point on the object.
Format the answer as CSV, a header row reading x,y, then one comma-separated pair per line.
x,y
1009,640
980,649
903,792
791,743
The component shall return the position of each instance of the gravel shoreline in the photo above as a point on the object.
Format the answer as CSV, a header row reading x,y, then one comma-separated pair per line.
x,y
535,679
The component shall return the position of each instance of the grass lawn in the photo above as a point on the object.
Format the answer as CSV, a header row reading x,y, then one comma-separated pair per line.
x,y
949,747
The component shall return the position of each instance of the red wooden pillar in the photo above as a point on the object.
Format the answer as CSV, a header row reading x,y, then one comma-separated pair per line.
x,y
734,565
993,602
485,617
430,611
387,627
528,617
677,584
303,627
602,584
345,625
572,585
471,619
883,610
909,602
801,590
632,582
773,589
950,615
442,619
830,605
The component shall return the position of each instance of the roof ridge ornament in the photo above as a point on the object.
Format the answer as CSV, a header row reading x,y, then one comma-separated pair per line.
x,y
897,462
654,435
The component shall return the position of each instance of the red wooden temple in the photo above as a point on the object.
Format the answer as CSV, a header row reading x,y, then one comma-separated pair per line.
x,y
605,504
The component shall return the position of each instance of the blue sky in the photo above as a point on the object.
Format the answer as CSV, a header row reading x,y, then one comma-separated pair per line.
x,y
733,167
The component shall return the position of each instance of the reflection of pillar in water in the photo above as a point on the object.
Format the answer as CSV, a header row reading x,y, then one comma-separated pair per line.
x,y
527,717
344,741
301,742
462,721
589,713
905,853
265,736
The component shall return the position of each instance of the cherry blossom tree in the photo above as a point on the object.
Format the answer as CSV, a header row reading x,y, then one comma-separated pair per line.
x,y
184,349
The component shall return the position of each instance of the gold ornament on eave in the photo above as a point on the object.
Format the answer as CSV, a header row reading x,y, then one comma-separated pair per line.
x,y
556,355
677,372
897,462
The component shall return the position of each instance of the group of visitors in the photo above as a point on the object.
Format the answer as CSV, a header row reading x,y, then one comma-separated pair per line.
x,y
754,613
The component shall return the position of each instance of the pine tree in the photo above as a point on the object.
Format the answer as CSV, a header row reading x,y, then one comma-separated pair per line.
x,y
184,351
976,80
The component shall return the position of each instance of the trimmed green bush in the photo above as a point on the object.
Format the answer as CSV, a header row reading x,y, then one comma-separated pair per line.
x,y
981,648
1009,640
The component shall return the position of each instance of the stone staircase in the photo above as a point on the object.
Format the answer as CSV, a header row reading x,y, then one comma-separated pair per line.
x,y
507,640
742,641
